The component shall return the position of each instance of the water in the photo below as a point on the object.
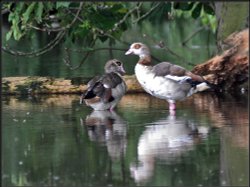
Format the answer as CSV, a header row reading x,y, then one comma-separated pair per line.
x,y
55,141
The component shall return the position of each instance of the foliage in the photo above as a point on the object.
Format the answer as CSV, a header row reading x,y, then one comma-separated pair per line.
x,y
85,23
94,18
25,17
202,10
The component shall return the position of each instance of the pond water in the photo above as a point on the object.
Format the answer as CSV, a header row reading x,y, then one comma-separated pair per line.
x,y
55,141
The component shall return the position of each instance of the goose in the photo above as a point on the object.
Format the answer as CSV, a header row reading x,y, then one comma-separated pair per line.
x,y
105,91
165,80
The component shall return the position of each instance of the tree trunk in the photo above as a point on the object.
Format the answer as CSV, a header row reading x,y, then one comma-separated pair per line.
x,y
229,71
232,17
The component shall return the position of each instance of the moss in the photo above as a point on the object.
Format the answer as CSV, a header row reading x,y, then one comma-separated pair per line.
x,y
79,80
234,17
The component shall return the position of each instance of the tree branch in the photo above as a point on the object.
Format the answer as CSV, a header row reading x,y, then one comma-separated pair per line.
x,y
146,14
46,29
192,35
116,25
38,52
163,46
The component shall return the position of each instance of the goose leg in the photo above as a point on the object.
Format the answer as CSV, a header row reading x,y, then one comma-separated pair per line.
x,y
171,105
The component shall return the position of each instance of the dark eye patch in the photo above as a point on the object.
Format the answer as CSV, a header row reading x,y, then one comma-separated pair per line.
x,y
137,46
118,63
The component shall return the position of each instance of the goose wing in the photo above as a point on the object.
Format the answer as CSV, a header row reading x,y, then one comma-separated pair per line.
x,y
101,86
175,72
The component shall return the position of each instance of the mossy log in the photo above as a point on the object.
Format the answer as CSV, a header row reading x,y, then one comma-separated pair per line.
x,y
49,85
229,71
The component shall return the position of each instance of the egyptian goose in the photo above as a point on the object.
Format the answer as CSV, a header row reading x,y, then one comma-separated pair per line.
x,y
165,80
104,92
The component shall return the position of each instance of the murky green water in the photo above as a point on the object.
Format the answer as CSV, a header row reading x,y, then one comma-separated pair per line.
x,y
55,141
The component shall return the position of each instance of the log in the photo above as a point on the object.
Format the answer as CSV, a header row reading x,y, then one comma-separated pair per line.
x,y
48,85
228,71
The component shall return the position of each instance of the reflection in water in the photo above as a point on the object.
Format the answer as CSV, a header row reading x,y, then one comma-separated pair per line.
x,y
167,140
44,143
109,128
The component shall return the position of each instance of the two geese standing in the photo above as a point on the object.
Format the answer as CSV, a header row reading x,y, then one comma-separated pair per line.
x,y
164,80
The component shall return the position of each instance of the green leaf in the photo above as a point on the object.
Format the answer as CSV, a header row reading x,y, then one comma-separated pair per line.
x,y
103,38
39,12
185,6
62,4
176,5
208,9
197,11
9,34
27,13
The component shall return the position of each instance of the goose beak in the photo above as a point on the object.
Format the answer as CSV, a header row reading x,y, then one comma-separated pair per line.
x,y
129,52
122,70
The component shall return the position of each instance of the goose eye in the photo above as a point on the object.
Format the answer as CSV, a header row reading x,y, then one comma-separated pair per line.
x,y
137,46
118,63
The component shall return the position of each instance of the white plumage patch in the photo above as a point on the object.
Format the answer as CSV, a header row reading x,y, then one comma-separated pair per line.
x,y
178,78
168,87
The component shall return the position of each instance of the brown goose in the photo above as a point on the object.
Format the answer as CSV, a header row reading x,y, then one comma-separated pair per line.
x,y
105,91
165,80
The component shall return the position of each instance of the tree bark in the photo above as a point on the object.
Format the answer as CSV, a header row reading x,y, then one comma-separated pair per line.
x,y
228,71
231,17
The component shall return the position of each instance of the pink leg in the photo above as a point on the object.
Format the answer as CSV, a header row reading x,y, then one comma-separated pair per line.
x,y
172,106
172,112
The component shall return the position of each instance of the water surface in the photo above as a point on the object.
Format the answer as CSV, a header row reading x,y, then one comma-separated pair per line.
x,y
55,141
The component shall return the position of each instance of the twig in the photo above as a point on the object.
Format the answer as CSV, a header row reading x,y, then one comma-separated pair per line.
x,y
38,52
192,35
45,29
88,51
146,14
4,11
116,25
163,46
97,49
68,62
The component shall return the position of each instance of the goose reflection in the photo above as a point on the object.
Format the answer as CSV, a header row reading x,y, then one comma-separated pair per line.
x,y
167,140
107,128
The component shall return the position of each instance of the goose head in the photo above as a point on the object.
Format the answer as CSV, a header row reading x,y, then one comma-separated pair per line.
x,y
114,65
139,49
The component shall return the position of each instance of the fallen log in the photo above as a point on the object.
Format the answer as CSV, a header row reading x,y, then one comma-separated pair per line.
x,y
49,85
229,71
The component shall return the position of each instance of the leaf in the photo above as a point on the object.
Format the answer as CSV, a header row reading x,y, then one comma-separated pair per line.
x,y
27,13
176,5
16,33
197,11
39,12
190,6
103,38
208,9
185,6
62,4
9,34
